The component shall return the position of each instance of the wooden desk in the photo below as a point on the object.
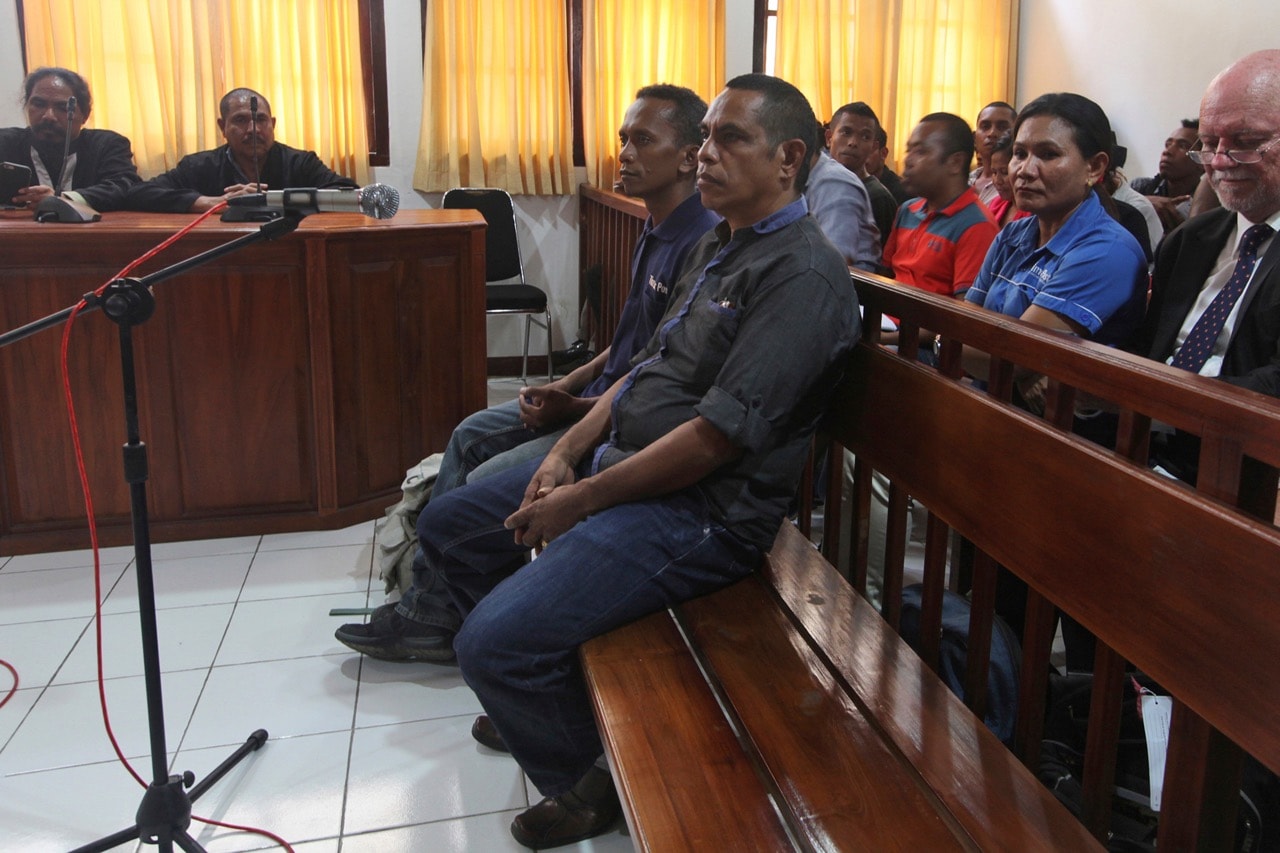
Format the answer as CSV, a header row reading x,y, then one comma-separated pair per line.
x,y
283,387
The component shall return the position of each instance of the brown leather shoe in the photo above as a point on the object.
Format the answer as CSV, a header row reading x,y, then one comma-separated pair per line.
x,y
585,811
486,734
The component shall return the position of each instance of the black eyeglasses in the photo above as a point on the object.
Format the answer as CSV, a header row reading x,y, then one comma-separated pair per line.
x,y
1243,156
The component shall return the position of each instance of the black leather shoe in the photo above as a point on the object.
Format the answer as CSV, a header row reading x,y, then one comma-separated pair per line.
x,y
578,353
587,810
389,636
486,734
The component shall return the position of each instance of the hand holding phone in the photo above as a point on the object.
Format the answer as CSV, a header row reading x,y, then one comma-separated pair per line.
x,y
13,177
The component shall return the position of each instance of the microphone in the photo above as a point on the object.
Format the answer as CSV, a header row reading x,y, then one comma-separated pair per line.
x,y
253,130
66,144
377,201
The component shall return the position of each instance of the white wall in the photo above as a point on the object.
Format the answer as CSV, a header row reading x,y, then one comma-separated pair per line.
x,y
1146,62
10,67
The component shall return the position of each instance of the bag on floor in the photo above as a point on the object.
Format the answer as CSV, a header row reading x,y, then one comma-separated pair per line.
x,y
396,537
1006,655
1134,825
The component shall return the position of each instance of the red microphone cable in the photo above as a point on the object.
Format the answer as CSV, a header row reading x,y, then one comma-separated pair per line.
x,y
14,688
93,526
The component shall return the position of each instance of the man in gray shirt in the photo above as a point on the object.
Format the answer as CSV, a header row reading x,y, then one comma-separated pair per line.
x,y
839,201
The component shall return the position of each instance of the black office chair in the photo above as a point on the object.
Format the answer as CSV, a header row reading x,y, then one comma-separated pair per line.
x,y
502,263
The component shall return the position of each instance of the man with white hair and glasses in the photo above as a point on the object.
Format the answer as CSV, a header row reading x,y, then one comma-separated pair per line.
x,y
1215,305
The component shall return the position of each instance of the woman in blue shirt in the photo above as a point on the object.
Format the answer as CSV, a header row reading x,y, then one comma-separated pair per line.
x,y
1069,265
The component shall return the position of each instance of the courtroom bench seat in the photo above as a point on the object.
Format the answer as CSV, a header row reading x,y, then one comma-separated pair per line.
x,y
784,712
858,745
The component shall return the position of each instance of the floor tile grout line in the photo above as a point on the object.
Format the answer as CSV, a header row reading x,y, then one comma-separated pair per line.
x,y
50,683
355,702
204,685
372,590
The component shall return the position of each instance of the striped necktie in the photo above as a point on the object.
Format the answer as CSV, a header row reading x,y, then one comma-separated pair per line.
x,y
1198,346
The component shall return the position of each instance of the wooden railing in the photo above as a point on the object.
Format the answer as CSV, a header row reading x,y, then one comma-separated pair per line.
x,y
610,225
1175,582
829,728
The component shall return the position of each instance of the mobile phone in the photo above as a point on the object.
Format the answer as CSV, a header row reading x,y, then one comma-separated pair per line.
x,y
13,177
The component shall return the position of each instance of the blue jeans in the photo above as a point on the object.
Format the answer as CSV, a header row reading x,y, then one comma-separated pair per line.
x,y
485,443
480,437
523,624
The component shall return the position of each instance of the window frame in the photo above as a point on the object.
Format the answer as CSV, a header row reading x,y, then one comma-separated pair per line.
x,y
373,61
760,29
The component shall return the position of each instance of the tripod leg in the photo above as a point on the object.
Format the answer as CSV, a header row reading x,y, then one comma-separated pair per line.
x,y
187,843
255,742
124,835
166,809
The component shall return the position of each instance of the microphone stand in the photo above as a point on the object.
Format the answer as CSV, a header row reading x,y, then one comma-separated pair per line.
x,y
165,812
66,148
258,211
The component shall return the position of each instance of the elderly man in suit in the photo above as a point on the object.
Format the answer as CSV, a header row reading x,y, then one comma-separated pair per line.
x,y
1215,306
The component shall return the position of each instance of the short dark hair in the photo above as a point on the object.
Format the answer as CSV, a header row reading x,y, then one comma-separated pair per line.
x,y
77,84
882,138
1002,105
1090,127
687,112
859,108
225,104
785,114
1191,123
956,134
1004,143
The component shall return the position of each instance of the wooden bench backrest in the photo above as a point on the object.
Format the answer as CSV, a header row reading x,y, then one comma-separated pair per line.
x,y
610,226
1180,583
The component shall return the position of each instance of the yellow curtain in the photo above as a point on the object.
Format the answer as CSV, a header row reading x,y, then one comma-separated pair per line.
x,y
627,45
906,58
495,101
157,69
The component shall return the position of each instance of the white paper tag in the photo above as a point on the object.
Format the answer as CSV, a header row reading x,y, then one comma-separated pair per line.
x,y
1157,712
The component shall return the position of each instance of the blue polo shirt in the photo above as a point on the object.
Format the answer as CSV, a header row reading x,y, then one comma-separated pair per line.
x,y
1092,271
655,266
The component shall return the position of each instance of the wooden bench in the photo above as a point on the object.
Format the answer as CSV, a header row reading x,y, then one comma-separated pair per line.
x,y
785,712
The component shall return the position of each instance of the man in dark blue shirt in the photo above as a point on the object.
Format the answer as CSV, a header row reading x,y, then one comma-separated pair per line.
x,y
659,137
675,482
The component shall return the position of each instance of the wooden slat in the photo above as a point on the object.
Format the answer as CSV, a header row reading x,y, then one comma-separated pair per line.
x,y
843,784
978,661
611,225
1197,404
1202,780
998,802
684,780
1105,707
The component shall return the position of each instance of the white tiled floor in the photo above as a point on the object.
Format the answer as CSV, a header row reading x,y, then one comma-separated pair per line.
x,y
363,756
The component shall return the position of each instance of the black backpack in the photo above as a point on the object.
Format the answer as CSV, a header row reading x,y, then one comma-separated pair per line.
x,y
1133,825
